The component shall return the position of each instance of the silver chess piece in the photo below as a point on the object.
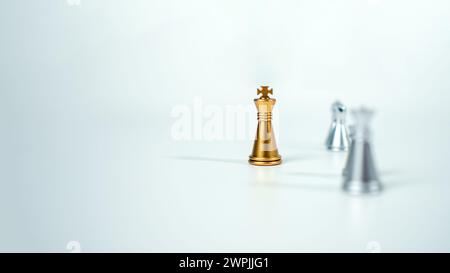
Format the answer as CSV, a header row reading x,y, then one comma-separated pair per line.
x,y
338,139
351,135
360,174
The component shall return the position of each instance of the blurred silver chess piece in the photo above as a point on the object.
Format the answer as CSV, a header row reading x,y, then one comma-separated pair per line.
x,y
338,139
360,174
351,135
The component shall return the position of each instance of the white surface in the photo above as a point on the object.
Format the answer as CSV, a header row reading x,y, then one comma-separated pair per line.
x,y
123,188
87,154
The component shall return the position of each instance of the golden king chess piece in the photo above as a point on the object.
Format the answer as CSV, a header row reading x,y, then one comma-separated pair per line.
x,y
265,151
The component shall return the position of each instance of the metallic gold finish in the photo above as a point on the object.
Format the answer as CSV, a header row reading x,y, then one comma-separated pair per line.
x,y
265,151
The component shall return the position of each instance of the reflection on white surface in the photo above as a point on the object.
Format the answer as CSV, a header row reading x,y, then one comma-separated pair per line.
x,y
358,212
266,175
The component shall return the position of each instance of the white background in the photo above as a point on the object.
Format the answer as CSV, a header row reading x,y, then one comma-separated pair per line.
x,y
87,89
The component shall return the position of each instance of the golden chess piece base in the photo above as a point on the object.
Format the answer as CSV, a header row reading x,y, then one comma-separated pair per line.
x,y
264,158
258,162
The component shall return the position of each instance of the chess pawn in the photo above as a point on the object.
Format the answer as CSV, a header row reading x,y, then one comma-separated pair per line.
x,y
360,174
265,151
338,139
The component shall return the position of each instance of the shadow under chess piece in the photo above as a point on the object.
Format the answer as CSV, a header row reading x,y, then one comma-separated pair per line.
x,y
265,151
360,174
338,139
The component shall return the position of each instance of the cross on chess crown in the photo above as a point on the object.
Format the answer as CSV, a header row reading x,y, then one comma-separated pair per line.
x,y
265,91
